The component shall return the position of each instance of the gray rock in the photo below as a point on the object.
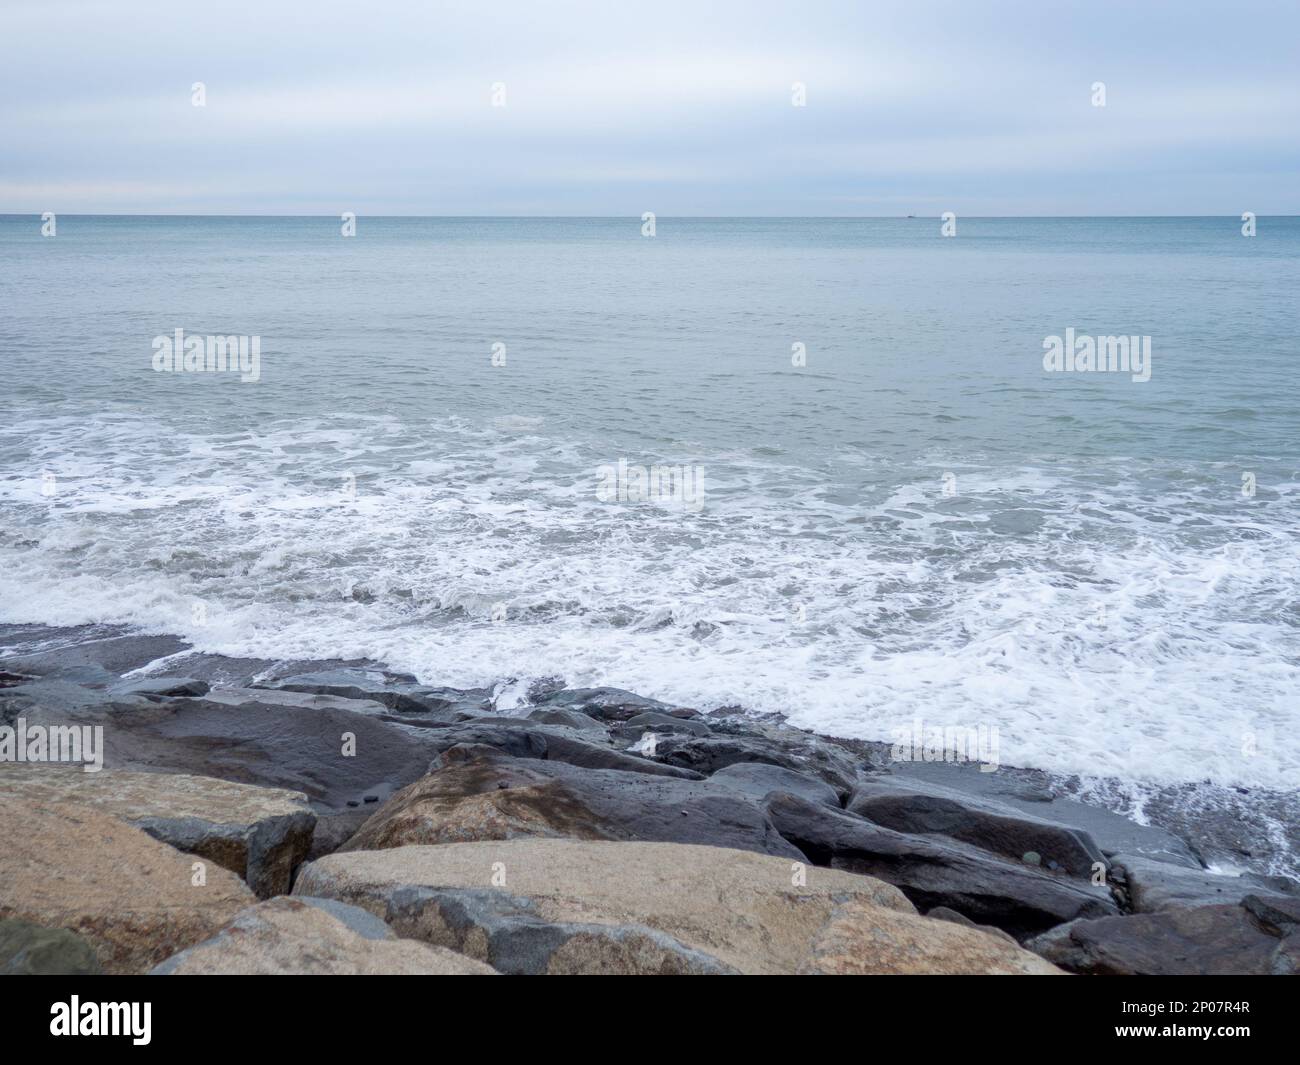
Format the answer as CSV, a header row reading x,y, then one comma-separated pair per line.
x,y
1009,895
281,745
708,754
480,794
568,719
604,704
1112,833
95,658
394,691
922,807
1155,886
1195,941
521,739
761,781
659,723
28,949
1279,915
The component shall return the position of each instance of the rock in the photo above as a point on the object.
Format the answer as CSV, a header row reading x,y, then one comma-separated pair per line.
x,y
552,743
161,687
132,897
28,949
313,937
1195,941
604,704
279,745
1279,915
708,754
479,794
97,656
761,781
907,806
539,905
377,685
661,723
1017,898
334,829
259,834
942,913
1155,886
568,719
1022,790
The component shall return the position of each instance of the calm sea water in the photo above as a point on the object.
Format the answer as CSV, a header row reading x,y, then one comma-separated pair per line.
x,y
919,523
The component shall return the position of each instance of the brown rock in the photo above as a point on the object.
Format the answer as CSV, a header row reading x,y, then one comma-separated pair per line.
x,y
260,834
552,905
314,937
75,867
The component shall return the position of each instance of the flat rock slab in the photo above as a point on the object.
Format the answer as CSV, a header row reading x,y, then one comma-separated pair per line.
x,y
399,692
521,738
1112,832
314,937
1196,941
136,900
924,807
1155,886
1018,898
259,834
479,794
563,906
95,658
332,753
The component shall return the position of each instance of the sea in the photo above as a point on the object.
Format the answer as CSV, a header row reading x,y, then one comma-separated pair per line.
x,y
810,467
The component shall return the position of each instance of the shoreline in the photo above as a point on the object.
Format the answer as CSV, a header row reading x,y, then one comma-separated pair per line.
x,y
1237,829
1017,856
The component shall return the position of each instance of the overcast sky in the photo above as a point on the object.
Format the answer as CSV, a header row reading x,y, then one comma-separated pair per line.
x,y
619,107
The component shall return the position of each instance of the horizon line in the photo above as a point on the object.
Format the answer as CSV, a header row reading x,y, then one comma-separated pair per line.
x,y
637,217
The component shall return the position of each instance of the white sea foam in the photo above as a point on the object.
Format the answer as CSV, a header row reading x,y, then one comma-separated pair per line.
x,y
1101,631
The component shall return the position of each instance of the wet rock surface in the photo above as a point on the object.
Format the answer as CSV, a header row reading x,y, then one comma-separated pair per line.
x,y
384,763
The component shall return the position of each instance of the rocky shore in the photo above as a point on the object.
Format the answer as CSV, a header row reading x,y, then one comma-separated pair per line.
x,y
265,816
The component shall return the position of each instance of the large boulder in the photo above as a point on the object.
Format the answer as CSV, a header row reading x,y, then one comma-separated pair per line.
x,y
136,900
479,794
313,937
1217,940
564,906
260,834
930,809
1019,898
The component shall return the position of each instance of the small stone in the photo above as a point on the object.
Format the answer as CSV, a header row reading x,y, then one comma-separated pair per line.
x,y
1032,858
372,798
353,802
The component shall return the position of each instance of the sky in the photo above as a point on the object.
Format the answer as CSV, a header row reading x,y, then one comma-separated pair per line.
x,y
615,108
